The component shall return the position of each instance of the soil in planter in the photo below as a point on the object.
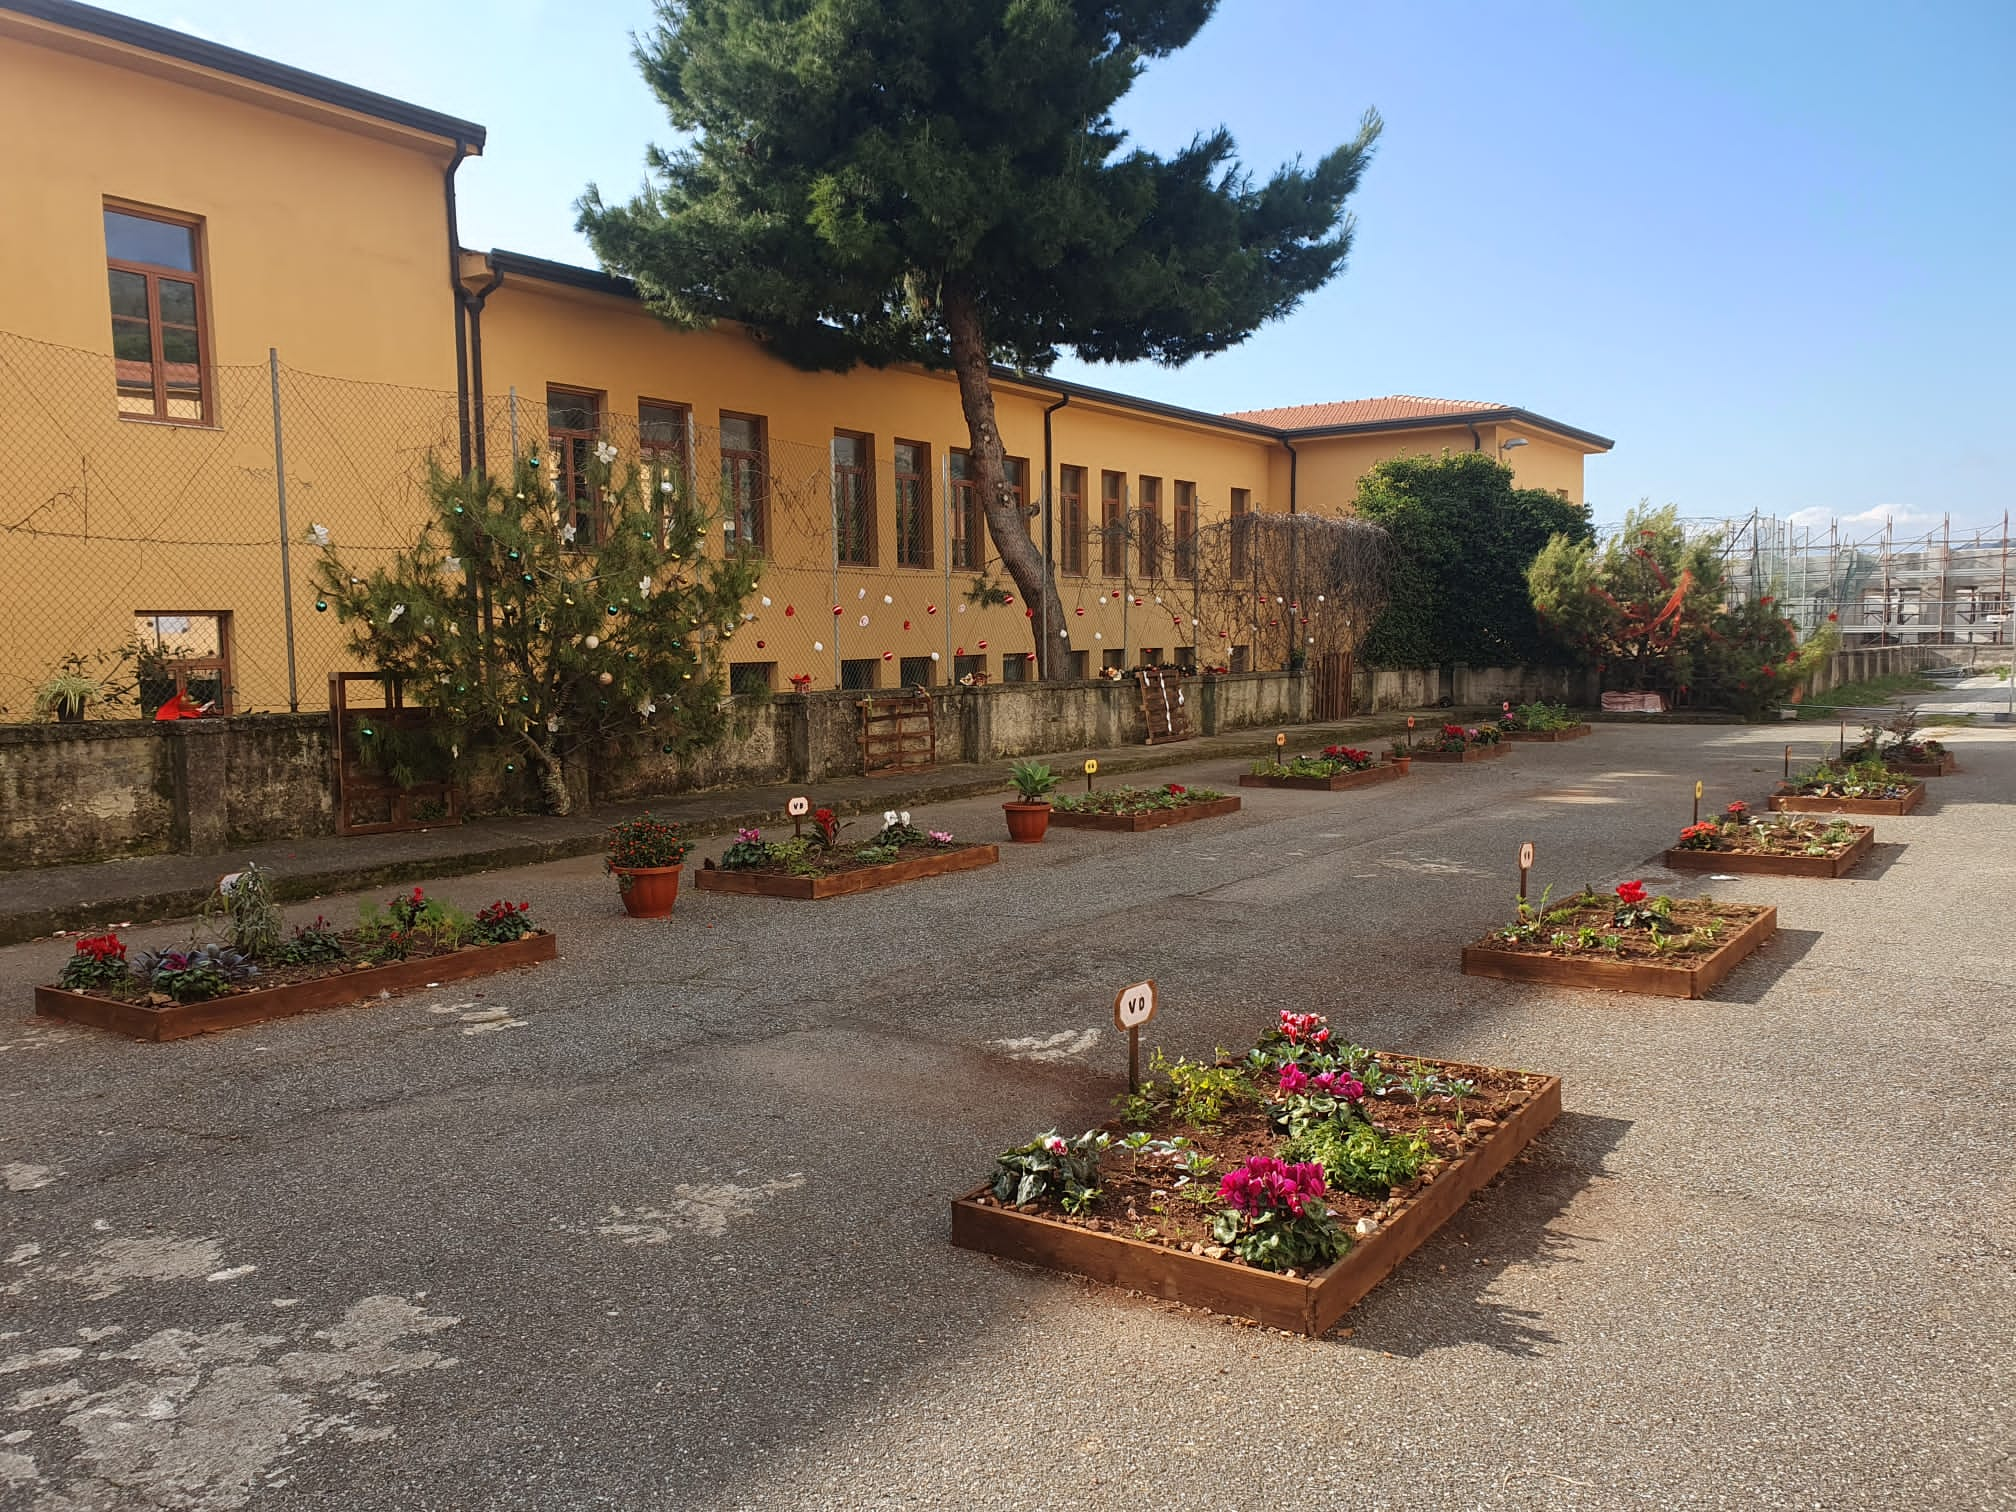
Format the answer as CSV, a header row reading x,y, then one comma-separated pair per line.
x,y
1132,800
1597,911
1791,835
1139,1198
832,863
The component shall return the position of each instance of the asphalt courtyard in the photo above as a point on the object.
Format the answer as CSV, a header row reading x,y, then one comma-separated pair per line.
x,y
663,1225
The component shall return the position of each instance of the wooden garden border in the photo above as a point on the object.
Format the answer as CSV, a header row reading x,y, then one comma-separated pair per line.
x,y
1758,863
1471,753
1134,824
1683,979
174,1021
1790,803
1550,737
1306,1305
1337,782
858,879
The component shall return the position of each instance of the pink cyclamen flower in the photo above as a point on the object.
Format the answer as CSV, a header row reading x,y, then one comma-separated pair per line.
x,y
941,837
1340,1084
1293,1079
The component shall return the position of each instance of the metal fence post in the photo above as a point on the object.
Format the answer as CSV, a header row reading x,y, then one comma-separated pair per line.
x,y
514,428
286,563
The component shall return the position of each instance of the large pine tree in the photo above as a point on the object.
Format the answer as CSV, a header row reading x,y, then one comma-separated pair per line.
x,y
941,181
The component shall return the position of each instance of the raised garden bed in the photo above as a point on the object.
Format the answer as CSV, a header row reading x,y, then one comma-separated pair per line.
x,y
1468,753
1336,782
1593,940
1795,847
850,876
339,983
1791,800
1130,810
1930,759
1550,737
1168,1249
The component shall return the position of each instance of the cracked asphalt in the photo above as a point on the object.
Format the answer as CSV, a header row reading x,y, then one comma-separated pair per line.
x,y
664,1224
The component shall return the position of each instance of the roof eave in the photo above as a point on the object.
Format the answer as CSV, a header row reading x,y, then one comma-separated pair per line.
x,y
165,42
1443,422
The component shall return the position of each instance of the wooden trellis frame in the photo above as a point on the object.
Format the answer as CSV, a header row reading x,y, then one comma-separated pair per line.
x,y
898,734
360,789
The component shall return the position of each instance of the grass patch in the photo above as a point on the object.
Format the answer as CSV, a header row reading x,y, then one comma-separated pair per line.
x,y
1874,690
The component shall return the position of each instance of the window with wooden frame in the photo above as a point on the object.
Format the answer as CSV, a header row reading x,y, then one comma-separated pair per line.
x,y
662,446
968,541
1015,470
912,471
745,481
184,651
160,352
1112,523
574,430
1242,507
1185,529
854,498
1071,520
1151,527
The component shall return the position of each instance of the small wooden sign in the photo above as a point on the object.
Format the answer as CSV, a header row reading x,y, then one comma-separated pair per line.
x,y
1091,766
1280,740
1525,866
1697,800
798,808
1134,1006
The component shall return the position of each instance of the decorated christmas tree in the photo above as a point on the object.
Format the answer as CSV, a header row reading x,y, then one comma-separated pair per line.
x,y
540,637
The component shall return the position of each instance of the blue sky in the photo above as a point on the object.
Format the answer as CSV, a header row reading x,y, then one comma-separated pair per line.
x,y
1764,247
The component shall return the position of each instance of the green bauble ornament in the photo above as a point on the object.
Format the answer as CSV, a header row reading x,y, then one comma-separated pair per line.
x,y
666,748
612,610
367,732
512,554
321,606
524,698
603,702
510,766
461,687
458,509
525,577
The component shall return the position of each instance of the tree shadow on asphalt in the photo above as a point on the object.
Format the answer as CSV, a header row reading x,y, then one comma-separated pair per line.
x,y
1436,1299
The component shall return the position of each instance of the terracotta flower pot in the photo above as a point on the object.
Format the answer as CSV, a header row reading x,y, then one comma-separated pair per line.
x,y
1405,763
1027,822
648,891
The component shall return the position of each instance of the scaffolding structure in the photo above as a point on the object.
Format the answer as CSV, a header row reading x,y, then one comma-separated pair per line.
x,y
1934,588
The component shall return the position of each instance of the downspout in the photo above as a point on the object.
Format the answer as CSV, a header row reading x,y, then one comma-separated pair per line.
x,y
1049,530
1294,541
455,283
475,300
1476,441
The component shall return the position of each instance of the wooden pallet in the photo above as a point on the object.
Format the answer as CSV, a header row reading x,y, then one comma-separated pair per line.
x,y
898,734
1165,705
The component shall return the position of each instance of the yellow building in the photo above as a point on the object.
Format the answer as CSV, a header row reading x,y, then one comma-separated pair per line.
x,y
275,319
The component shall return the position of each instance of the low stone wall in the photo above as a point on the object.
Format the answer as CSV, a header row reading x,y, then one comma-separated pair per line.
x,y
92,791
1859,664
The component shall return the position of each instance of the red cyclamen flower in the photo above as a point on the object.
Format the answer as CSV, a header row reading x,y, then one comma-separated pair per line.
x,y
1631,892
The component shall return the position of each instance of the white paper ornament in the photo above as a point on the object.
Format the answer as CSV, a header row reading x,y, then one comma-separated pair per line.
x,y
887,600
934,656
592,642
766,601
818,645
860,593
864,622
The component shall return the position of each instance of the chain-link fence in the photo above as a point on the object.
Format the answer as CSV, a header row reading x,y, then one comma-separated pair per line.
x,y
144,558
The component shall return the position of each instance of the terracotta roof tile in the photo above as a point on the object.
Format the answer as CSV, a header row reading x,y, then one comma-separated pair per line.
x,y
1364,411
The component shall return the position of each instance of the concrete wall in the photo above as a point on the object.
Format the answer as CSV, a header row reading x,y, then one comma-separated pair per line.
x,y
87,792
1860,664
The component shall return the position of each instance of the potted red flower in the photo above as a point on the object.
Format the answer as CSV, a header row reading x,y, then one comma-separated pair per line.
x,y
643,854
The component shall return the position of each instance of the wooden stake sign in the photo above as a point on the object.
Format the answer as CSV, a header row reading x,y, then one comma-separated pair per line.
x,y
1091,771
1525,866
1410,732
1788,763
798,808
1697,800
1133,1006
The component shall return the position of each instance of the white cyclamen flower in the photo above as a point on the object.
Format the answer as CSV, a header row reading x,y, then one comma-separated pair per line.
x,y
888,817
1054,1145
905,816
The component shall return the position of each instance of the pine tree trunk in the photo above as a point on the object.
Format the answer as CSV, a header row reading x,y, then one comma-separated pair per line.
x,y
1007,526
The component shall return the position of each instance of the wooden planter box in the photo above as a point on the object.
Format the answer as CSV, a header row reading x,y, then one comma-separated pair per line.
x,y
1688,978
1945,766
1759,864
860,879
1550,737
1306,1305
1790,803
1133,824
180,1020
1335,783
1474,753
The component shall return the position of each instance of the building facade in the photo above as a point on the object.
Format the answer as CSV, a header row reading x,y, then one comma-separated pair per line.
x,y
276,321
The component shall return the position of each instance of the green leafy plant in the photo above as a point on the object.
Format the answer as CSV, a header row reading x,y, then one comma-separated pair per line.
x,y
1066,1170
312,945
1132,800
1034,781
245,908
1361,1159
748,851
194,973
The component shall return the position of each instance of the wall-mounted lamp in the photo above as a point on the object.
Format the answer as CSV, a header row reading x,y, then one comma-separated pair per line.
x,y
1505,446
